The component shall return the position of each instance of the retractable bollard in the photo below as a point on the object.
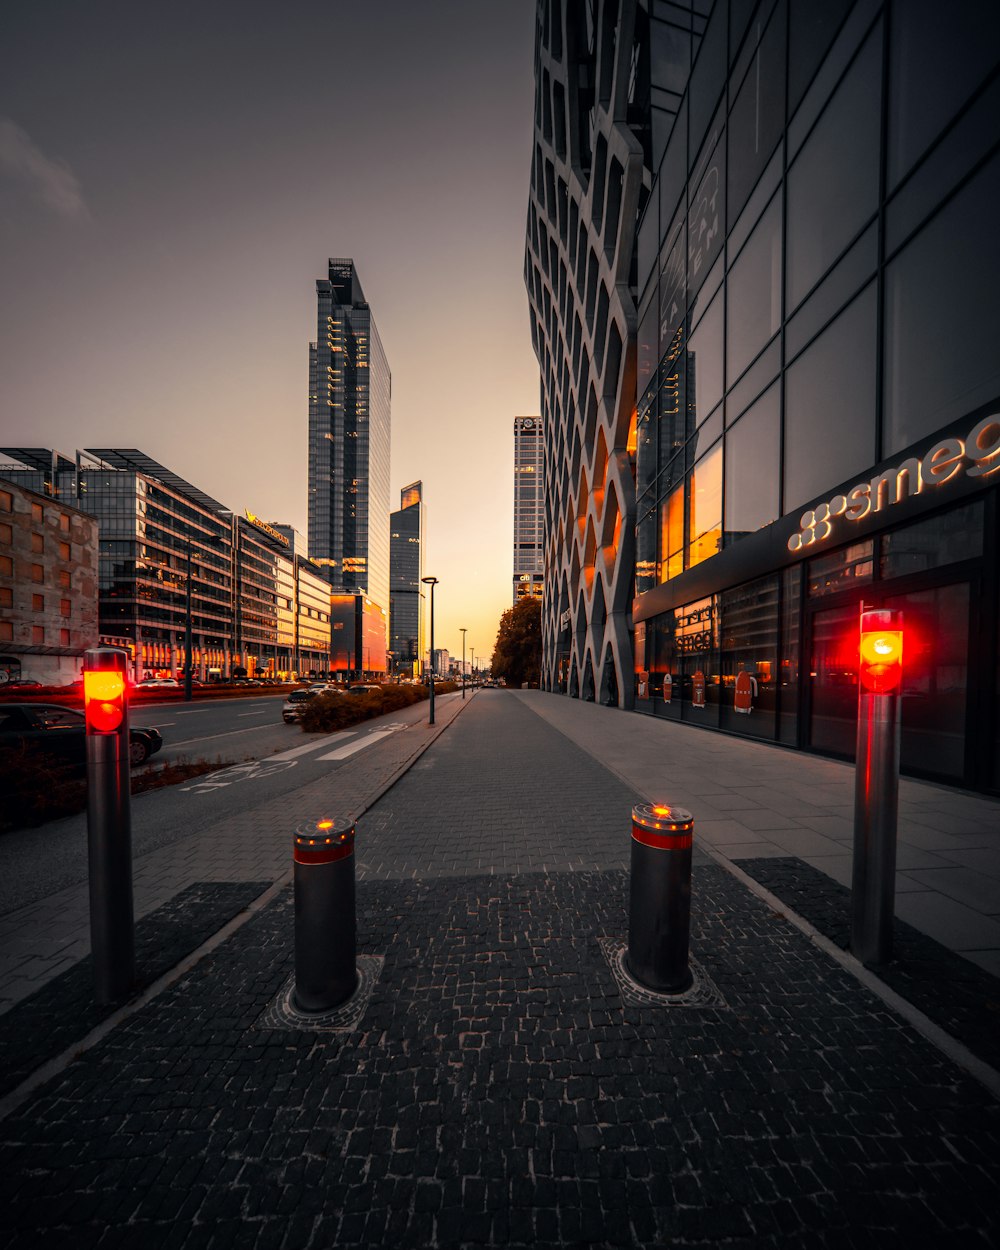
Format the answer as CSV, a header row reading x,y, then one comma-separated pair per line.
x,y
326,972
659,923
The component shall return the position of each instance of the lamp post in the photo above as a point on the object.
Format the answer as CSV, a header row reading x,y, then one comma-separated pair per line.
x,y
187,630
463,633
432,582
472,665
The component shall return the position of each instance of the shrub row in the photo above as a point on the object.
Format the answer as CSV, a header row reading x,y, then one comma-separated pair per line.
x,y
330,712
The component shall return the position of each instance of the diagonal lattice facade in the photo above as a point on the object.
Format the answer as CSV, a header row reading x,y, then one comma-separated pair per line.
x,y
589,179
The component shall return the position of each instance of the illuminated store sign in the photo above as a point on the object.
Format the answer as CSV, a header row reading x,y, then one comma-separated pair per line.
x,y
978,455
269,530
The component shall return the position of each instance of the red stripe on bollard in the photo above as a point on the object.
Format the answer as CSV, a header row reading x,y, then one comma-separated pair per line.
x,y
322,855
661,841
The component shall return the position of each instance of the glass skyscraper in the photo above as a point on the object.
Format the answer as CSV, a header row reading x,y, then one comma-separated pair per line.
x,y
406,566
350,390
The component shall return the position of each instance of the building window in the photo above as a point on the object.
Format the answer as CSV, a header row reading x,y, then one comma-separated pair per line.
x,y
6,501
38,543
830,405
950,265
6,535
37,512
64,638
64,579
6,631
6,566
38,634
64,522
6,597
752,457
38,603
65,607
37,573
64,551
825,212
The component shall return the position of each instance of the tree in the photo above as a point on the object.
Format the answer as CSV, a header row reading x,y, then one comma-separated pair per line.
x,y
517,654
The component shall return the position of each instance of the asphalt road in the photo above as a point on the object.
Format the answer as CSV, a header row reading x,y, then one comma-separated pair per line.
x,y
274,761
229,729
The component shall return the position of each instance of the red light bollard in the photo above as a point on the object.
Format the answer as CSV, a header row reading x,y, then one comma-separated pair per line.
x,y
326,972
876,785
659,924
109,822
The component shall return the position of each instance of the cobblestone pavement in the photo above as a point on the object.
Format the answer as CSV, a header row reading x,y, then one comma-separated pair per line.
x,y
497,1090
49,936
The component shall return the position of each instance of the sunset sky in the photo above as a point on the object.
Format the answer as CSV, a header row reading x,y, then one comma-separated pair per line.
x,y
173,179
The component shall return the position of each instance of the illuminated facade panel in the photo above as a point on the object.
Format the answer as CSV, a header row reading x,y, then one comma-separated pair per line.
x,y
529,508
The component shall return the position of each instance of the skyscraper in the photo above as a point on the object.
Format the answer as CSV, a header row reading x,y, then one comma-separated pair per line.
x,y
529,507
406,532
350,389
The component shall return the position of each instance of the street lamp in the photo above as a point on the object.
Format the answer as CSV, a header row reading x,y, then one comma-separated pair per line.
x,y
463,633
432,582
472,664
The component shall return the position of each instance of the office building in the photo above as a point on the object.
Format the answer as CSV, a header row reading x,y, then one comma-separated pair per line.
x,y
815,383
256,607
358,634
529,508
406,566
48,587
349,439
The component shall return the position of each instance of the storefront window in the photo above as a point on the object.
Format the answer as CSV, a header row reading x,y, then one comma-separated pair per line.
x,y
946,539
750,648
697,642
840,570
664,674
752,456
942,290
788,662
830,405
833,184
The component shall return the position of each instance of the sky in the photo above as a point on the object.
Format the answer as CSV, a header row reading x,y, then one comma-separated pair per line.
x,y
173,179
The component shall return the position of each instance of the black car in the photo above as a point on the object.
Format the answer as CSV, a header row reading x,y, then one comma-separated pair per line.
x,y
60,732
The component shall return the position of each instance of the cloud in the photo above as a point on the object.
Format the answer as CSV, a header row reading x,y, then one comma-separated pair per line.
x,y
46,178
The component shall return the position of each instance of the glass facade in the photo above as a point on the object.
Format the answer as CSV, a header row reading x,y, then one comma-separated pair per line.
x,y
406,536
162,544
529,507
350,394
817,377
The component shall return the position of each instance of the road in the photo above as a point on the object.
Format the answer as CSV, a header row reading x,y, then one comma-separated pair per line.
x,y
273,761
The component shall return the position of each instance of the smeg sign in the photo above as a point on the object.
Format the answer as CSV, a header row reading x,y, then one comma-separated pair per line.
x,y
977,455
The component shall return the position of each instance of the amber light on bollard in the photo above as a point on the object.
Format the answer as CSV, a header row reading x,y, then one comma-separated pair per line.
x,y
325,915
660,897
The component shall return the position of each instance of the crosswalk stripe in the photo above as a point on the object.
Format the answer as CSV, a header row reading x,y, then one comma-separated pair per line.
x,y
352,747
305,748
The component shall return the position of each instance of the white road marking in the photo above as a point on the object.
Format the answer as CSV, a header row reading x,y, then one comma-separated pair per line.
x,y
302,750
194,713
251,729
352,748
263,712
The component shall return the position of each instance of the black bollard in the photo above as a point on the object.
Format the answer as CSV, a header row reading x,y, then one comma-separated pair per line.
x,y
325,918
659,922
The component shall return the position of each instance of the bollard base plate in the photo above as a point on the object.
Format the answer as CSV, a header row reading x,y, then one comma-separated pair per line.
x,y
703,992
282,1013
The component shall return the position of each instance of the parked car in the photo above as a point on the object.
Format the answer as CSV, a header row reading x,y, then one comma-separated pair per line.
x,y
362,688
294,705
60,732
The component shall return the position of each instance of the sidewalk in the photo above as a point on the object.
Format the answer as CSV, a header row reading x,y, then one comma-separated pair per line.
x,y
501,1087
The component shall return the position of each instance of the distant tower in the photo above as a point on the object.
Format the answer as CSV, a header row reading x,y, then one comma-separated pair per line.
x,y
350,389
406,566
529,507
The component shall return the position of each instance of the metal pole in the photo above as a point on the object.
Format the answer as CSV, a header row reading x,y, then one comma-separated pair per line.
x,y
109,839
187,631
659,924
431,720
325,916
463,662
876,800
